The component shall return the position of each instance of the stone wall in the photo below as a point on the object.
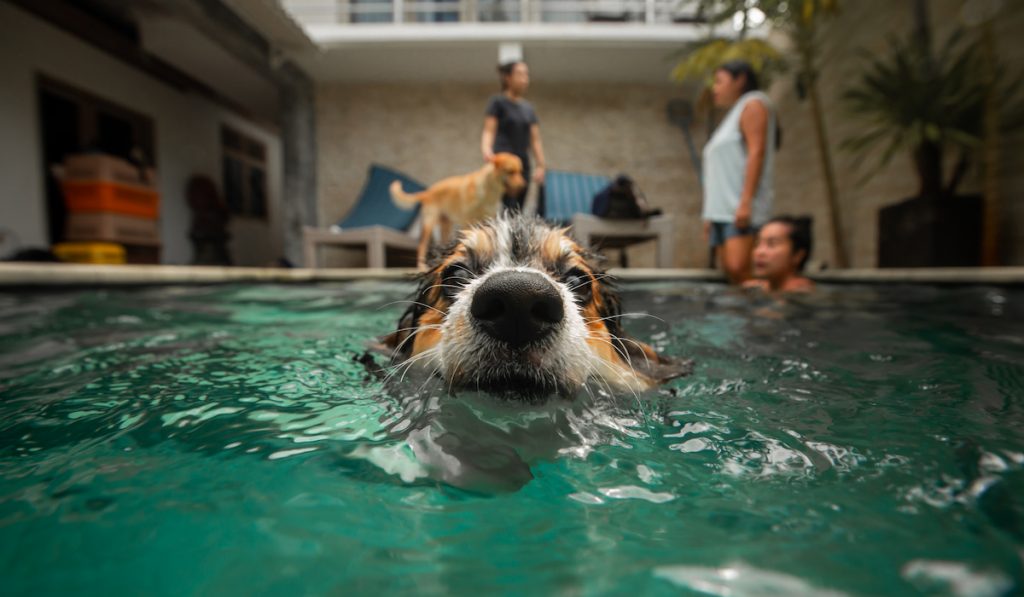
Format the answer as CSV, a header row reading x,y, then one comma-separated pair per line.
x,y
433,131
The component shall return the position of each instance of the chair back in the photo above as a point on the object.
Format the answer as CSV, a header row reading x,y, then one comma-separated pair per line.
x,y
569,193
375,207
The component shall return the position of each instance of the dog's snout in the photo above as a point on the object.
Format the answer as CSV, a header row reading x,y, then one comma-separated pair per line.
x,y
517,308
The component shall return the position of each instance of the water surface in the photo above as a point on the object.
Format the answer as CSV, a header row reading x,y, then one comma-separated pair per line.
x,y
225,440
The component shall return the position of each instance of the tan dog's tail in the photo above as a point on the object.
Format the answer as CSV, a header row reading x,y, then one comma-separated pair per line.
x,y
403,199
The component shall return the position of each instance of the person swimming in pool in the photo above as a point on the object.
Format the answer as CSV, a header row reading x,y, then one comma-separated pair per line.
x,y
780,253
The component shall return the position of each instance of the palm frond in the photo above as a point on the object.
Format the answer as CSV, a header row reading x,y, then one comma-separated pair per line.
x,y
700,64
912,97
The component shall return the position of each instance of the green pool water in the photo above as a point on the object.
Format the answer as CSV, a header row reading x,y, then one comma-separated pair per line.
x,y
224,441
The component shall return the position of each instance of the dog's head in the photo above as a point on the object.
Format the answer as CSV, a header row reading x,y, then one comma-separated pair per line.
x,y
516,306
510,169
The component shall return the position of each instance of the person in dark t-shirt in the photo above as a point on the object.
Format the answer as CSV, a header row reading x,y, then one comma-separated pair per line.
x,y
510,125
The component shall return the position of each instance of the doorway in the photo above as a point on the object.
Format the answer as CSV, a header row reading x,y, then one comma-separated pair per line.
x,y
75,121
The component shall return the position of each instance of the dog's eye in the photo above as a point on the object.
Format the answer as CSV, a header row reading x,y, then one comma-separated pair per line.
x,y
578,282
454,278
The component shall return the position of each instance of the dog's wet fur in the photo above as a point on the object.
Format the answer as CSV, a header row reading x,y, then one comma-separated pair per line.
x,y
516,308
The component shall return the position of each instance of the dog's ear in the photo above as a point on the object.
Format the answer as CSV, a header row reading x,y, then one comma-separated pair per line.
x,y
645,360
399,343
641,357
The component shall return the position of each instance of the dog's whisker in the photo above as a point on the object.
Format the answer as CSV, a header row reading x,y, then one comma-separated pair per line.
x,y
624,315
452,286
640,346
406,364
451,376
399,368
414,330
601,380
419,304
628,361
422,356
393,369
634,375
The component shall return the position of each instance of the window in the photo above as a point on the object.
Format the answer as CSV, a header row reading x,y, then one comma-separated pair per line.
x,y
245,174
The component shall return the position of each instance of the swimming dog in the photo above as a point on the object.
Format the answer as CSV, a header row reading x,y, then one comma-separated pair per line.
x,y
462,200
515,306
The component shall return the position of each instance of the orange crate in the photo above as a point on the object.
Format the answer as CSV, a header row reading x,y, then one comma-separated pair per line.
x,y
95,195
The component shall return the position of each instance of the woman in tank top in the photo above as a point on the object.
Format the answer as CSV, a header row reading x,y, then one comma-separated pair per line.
x,y
739,168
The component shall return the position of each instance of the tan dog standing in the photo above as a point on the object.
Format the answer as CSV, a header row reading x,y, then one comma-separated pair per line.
x,y
462,200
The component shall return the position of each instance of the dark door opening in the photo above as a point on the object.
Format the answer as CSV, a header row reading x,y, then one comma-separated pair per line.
x,y
73,121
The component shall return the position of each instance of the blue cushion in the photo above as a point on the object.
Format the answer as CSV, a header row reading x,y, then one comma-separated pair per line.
x,y
374,206
569,193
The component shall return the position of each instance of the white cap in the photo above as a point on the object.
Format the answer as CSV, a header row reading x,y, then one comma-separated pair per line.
x,y
510,52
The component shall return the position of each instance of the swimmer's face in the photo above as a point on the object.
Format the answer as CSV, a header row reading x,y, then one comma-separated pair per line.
x,y
774,257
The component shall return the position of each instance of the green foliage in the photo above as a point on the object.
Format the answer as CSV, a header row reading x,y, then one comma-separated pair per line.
x,y
777,12
700,63
796,17
908,99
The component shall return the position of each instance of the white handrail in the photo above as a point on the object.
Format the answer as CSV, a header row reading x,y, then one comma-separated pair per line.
x,y
417,12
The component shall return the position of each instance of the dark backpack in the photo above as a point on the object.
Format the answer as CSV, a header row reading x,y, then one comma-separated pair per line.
x,y
618,200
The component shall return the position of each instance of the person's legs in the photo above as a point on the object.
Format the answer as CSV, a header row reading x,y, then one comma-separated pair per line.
x,y
716,236
735,255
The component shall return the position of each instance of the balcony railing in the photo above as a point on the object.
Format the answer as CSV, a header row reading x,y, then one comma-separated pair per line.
x,y
412,12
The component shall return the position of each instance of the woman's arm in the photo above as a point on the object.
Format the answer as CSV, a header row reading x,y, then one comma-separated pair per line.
x,y
754,126
538,153
487,137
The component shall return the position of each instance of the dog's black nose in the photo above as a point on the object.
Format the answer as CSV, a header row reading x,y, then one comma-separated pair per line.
x,y
517,307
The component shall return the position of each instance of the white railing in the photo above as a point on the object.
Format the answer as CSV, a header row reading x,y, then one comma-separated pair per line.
x,y
414,12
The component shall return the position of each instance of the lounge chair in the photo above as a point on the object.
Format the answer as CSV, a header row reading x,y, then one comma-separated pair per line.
x,y
570,196
375,222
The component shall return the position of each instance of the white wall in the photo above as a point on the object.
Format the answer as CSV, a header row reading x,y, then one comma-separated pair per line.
x,y
187,136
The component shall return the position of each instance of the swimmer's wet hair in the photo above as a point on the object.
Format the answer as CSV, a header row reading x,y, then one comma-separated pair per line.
x,y
799,235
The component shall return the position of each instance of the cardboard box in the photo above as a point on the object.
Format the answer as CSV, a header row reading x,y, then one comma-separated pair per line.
x,y
106,168
126,199
112,227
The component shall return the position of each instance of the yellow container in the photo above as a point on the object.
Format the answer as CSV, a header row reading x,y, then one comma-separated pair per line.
x,y
95,253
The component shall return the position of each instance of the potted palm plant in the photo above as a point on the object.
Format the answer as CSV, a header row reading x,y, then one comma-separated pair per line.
x,y
927,104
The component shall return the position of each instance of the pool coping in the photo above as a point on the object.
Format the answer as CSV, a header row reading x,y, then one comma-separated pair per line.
x,y
67,274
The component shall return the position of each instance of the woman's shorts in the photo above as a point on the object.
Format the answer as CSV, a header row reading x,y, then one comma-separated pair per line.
x,y
723,231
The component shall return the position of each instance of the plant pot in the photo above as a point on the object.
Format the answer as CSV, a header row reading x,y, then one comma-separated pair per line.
x,y
930,232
